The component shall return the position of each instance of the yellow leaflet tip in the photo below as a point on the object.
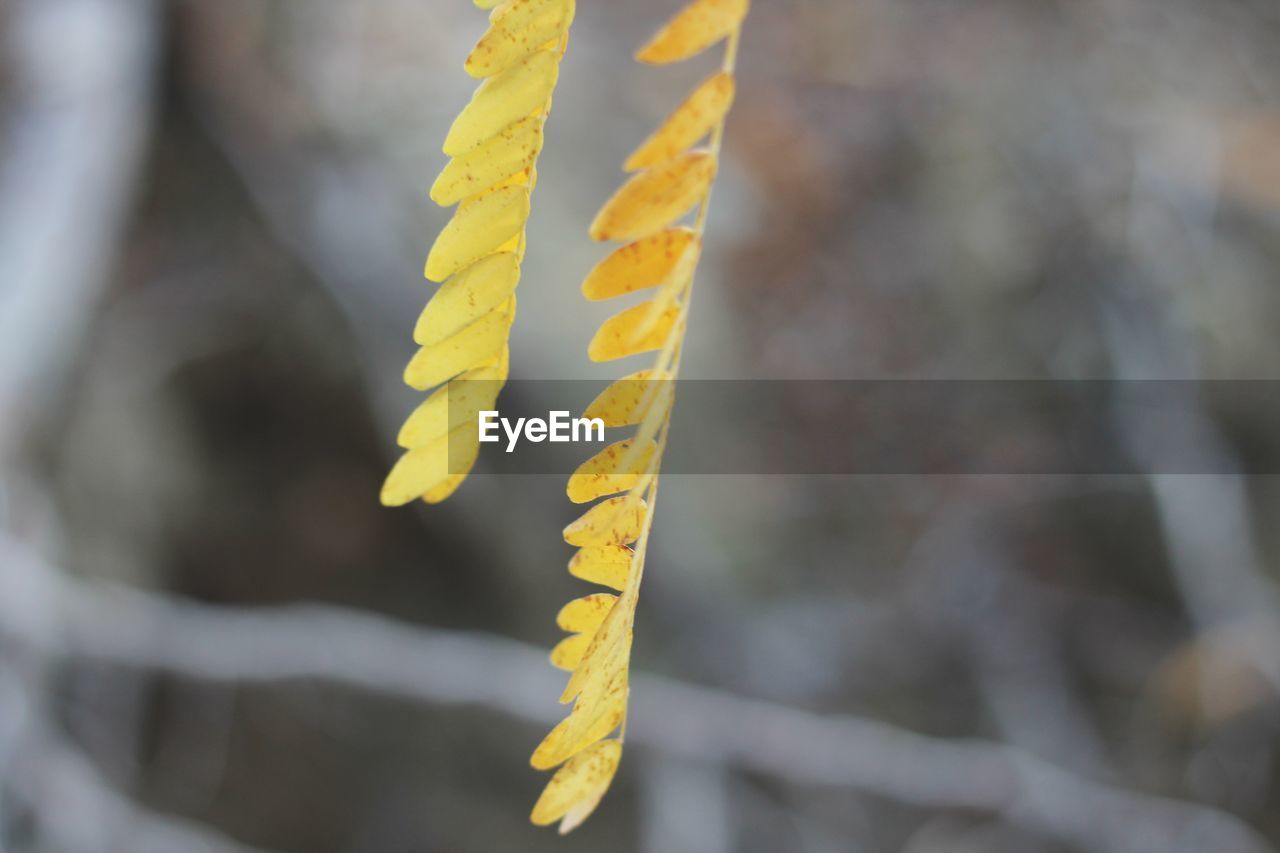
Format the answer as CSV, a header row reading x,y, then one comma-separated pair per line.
x,y
517,30
655,198
693,29
581,782
696,117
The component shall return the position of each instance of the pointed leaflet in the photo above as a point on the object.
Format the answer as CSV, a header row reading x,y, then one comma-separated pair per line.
x,y
696,117
656,197
501,101
517,30
694,28
639,265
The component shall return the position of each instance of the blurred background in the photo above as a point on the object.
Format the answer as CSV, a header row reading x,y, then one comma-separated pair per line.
x,y
213,215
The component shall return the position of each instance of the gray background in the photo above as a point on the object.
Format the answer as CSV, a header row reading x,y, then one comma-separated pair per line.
x,y
213,215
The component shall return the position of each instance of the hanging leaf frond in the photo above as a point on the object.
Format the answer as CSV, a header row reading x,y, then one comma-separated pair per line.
x,y
463,332
672,179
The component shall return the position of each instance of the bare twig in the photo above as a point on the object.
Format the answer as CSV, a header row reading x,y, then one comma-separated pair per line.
x,y
1008,626
79,810
83,74
1205,518
138,629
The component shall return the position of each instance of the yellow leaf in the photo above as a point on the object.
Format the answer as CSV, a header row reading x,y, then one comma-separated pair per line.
x,y
587,724
568,653
494,145
639,265
657,411
583,779
604,662
617,337
584,615
501,101
456,403
664,301
581,810
627,400
477,230
696,117
616,521
517,30
482,341
602,475
468,296
514,246
649,202
445,489
512,152
656,197
694,28
523,178
424,469
607,565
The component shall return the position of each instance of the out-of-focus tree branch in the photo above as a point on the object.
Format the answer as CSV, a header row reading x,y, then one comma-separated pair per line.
x,y
45,611
1205,519
83,75
1017,667
79,810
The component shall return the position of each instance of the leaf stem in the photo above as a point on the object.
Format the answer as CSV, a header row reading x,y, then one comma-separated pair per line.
x,y
669,359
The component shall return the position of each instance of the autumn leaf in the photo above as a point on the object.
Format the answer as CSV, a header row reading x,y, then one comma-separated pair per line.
x,y
464,330
661,255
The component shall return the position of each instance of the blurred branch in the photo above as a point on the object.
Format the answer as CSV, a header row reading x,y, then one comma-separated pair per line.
x,y
1205,519
685,806
79,810
304,186
82,74
1010,626
139,629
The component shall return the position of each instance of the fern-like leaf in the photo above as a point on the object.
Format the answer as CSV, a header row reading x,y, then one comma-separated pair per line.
x,y
463,332
672,178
